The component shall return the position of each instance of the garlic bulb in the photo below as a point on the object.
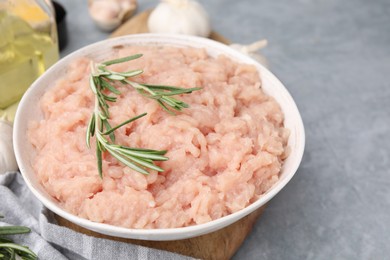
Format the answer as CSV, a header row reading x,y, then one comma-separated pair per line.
x,y
109,14
252,50
179,17
7,155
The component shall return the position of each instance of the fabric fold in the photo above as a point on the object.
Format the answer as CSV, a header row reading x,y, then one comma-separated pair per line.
x,y
51,241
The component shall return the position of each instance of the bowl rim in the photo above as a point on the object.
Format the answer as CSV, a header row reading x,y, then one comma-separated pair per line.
x,y
163,233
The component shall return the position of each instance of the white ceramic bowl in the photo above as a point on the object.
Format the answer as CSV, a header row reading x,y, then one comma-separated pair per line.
x,y
29,110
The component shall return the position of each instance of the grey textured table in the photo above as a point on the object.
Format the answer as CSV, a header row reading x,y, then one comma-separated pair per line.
x,y
334,57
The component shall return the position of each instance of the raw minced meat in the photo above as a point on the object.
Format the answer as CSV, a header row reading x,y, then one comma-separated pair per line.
x,y
225,150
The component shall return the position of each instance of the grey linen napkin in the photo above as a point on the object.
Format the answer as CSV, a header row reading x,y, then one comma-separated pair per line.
x,y
50,241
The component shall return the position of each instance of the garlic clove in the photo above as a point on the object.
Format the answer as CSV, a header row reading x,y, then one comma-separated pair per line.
x,y
109,14
7,154
128,8
180,17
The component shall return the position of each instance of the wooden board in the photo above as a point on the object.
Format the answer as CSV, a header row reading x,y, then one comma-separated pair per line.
x,y
221,244
218,245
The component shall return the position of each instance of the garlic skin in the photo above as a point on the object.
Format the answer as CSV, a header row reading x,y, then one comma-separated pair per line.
x,y
7,154
109,14
252,50
180,17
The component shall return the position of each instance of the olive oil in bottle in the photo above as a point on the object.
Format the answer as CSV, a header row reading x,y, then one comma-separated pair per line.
x,y
28,46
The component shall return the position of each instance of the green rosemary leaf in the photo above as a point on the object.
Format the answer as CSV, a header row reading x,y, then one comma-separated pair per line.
x,y
172,88
108,86
19,248
178,105
93,125
155,157
102,116
27,257
102,101
9,249
161,97
115,77
103,105
145,94
170,101
160,87
12,253
124,123
144,163
126,161
92,84
5,240
108,128
102,70
131,73
146,151
13,230
165,107
100,144
99,162
108,98
126,74
121,60
178,91
90,130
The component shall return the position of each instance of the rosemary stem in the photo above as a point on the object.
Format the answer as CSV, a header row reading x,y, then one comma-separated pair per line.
x,y
139,86
102,81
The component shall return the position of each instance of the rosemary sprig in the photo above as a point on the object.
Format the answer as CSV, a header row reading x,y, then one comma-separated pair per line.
x,y
101,83
163,95
11,250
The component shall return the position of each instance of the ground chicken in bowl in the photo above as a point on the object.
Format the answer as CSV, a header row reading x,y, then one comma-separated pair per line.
x,y
225,150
